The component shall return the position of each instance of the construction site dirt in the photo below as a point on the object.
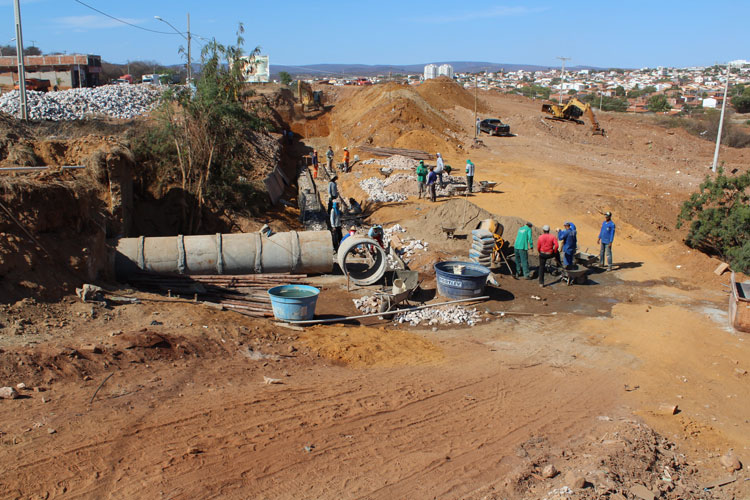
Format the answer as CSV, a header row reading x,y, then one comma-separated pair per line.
x,y
632,384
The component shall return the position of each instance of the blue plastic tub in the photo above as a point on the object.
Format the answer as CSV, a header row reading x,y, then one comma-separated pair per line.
x,y
470,283
293,302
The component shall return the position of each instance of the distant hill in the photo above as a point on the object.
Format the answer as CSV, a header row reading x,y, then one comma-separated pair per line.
x,y
351,70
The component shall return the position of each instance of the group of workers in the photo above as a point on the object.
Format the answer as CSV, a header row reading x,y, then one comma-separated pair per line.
x,y
428,177
346,167
547,246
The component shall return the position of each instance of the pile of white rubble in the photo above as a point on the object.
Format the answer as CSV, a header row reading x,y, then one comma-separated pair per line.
x,y
111,101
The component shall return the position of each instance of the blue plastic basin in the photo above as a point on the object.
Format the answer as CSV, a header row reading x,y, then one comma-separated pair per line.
x,y
470,283
293,302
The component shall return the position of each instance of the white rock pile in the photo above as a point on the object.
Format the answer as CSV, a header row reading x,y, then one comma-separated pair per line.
x,y
445,315
113,101
395,162
368,304
376,188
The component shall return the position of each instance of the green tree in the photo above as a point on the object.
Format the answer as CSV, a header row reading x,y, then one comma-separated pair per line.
x,y
620,91
741,101
201,139
649,89
658,103
719,217
285,78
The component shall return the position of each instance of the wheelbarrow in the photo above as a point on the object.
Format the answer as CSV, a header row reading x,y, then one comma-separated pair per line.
x,y
585,259
449,232
577,275
398,295
487,186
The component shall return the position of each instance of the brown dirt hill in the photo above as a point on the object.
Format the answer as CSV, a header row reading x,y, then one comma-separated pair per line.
x,y
392,115
444,93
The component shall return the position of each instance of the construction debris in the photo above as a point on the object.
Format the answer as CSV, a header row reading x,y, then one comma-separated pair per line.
x,y
112,101
244,294
410,153
445,315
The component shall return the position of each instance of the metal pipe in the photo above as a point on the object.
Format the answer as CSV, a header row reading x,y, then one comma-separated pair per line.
x,y
244,253
386,313
36,169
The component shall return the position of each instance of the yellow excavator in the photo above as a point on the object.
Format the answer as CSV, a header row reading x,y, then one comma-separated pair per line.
x,y
572,111
307,97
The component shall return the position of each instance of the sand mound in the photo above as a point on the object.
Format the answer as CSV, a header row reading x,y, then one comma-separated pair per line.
x,y
465,216
364,346
444,93
393,115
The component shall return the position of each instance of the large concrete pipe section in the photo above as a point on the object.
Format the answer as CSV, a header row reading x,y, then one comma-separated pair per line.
x,y
306,252
362,259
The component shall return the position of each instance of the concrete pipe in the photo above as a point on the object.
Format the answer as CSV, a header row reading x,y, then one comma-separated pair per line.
x,y
359,269
307,252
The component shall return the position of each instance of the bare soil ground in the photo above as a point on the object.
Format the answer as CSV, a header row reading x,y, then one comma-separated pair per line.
x,y
374,410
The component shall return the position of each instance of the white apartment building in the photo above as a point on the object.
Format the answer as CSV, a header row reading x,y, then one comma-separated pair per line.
x,y
444,70
431,71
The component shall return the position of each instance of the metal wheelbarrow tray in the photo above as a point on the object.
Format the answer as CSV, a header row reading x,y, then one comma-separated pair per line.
x,y
391,300
577,275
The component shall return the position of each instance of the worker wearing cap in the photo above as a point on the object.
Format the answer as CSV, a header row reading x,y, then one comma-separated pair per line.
x,y
469,174
521,248
606,237
546,245
569,240
352,232
421,178
431,180
333,193
439,168
346,160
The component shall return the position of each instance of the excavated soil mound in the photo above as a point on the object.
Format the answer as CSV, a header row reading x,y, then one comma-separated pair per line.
x,y
363,346
444,93
465,216
392,115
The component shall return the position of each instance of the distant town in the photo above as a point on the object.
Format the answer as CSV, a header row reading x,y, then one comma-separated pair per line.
x,y
662,89
623,90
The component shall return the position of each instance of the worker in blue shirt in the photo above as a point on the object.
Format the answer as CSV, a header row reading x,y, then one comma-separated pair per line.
x,y
570,243
606,237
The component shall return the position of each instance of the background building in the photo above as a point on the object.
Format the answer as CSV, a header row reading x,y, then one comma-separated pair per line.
x,y
65,71
256,69
445,70
430,71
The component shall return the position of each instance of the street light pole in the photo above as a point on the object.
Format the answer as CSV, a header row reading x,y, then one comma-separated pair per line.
x,y
562,75
190,61
187,38
21,67
721,121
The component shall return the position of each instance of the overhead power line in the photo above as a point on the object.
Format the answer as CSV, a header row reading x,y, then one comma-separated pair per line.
x,y
123,21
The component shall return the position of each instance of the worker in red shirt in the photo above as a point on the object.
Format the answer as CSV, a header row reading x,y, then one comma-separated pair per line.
x,y
346,160
546,245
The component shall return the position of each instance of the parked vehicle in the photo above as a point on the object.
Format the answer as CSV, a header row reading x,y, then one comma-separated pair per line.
x,y
35,84
494,126
124,79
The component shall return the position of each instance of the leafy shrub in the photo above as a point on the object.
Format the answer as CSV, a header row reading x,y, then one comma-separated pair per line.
x,y
719,216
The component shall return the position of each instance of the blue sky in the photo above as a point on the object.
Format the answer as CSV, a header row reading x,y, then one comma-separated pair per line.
x,y
601,33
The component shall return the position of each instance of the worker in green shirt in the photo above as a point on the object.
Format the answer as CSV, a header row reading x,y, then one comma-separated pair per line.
x,y
422,178
524,243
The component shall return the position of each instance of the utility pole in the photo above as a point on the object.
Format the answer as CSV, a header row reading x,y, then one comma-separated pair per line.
x,y
21,68
721,121
475,107
562,75
190,61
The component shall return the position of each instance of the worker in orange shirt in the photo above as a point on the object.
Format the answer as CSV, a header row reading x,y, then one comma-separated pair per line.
x,y
315,163
346,160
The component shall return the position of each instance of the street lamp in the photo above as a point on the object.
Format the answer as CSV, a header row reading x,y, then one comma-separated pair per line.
x,y
187,38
